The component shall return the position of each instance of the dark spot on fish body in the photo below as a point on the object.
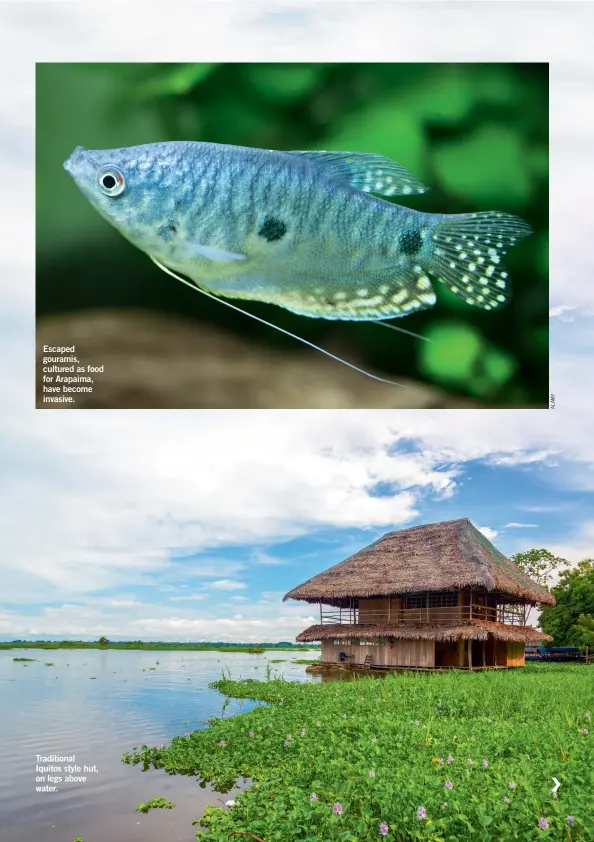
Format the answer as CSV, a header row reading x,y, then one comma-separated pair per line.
x,y
272,229
410,242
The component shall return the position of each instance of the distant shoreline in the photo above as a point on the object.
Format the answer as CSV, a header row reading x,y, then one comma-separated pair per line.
x,y
250,648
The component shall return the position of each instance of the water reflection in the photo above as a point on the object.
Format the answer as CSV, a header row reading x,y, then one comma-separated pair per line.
x,y
96,704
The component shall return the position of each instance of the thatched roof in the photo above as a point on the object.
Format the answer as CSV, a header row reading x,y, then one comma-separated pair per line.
x,y
437,557
477,630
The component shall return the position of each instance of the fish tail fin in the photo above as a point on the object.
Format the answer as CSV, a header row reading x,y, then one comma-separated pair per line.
x,y
467,251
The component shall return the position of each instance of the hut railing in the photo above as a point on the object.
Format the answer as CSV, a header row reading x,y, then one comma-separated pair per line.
x,y
513,615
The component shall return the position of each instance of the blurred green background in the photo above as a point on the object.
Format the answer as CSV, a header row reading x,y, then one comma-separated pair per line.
x,y
476,134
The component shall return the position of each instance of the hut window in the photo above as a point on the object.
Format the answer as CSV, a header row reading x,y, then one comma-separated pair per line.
x,y
340,642
443,600
370,641
417,601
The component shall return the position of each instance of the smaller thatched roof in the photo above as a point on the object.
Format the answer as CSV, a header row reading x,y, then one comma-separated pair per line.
x,y
444,556
476,630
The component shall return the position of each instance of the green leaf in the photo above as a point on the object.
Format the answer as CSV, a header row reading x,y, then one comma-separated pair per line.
x,y
282,82
487,167
451,353
176,81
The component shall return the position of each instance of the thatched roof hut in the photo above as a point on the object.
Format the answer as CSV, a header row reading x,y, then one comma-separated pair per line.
x,y
432,596
436,557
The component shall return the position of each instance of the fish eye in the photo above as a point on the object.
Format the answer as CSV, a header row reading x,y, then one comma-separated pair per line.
x,y
111,181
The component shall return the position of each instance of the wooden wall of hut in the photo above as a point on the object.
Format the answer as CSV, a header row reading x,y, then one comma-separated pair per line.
x,y
516,656
397,653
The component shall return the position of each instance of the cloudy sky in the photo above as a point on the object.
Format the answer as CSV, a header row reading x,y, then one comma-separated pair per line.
x,y
192,525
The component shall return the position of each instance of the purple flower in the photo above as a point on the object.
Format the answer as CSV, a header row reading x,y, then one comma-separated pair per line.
x,y
384,829
469,761
252,734
374,740
160,747
485,764
543,823
449,785
584,731
313,797
506,799
511,785
444,805
222,743
187,735
421,813
371,773
417,722
570,819
450,758
270,724
337,809
440,761
286,744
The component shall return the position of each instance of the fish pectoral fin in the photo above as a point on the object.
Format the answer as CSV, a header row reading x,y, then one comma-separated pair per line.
x,y
213,253
367,172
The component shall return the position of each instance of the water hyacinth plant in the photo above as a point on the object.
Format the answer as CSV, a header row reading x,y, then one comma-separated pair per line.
x,y
373,775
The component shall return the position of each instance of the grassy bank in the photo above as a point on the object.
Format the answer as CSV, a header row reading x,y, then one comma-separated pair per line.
x,y
169,647
441,757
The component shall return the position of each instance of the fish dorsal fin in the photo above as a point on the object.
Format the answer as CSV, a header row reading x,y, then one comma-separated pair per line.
x,y
366,171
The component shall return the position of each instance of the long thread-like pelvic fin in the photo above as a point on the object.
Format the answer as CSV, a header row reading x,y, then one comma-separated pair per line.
x,y
402,330
280,329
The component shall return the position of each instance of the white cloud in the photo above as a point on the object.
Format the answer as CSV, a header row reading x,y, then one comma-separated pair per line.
x,y
521,525
190,596
117,497
580,547
227,585
563,312
489,533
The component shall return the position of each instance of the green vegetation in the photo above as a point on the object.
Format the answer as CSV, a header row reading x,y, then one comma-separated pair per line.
x,y
24,659
540,564
145,806
160,645
475,133
569,621
444,757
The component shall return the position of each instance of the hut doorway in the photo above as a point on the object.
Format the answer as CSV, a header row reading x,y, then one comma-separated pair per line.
x,y
446,653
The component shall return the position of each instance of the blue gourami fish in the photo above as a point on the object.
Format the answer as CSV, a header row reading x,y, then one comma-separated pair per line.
x,y
299,229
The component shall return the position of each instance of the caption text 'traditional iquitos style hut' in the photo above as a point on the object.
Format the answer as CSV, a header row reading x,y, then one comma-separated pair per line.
x,y
431,596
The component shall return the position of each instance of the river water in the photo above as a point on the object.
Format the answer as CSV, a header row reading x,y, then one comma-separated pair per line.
x,y
95,705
